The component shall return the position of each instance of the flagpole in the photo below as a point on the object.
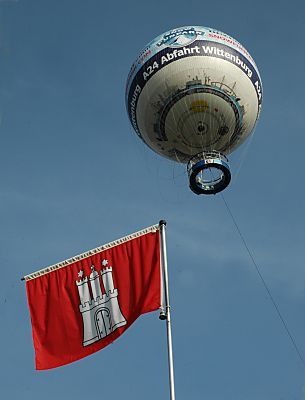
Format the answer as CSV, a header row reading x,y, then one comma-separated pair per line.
x,y
165,315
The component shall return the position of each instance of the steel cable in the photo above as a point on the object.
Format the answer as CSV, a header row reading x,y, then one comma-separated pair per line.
x,y
284,323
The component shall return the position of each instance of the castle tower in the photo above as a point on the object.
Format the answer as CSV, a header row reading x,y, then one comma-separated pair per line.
x,y
107,280
95,284
102,314
83,291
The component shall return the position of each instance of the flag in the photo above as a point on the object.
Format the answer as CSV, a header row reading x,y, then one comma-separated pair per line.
x,y
83,304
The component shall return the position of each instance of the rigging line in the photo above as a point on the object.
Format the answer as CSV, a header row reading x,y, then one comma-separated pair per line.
x,y
265,284
243,156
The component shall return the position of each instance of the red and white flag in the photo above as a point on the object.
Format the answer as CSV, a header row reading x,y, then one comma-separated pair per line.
x,y
83,304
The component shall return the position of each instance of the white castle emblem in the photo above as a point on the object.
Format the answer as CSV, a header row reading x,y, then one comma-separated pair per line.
x,y
100,311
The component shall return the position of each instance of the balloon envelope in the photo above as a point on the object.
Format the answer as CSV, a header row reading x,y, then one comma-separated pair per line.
x,y
193,89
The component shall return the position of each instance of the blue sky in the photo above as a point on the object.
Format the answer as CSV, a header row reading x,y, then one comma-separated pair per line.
x,y
73,175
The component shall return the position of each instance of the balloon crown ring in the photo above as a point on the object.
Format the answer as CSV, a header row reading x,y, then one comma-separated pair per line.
x,y
209,172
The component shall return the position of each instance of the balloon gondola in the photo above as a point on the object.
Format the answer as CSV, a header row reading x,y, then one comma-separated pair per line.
x,y
193,95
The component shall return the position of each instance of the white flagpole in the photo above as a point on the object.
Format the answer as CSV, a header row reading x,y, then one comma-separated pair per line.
x,y
165,314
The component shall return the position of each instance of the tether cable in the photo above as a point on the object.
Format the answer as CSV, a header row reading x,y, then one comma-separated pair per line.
x,y
265,284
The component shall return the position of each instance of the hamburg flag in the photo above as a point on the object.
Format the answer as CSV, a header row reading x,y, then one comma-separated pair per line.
x,y
81,305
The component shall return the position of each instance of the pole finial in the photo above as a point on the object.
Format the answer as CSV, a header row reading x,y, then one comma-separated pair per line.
x,y
162,222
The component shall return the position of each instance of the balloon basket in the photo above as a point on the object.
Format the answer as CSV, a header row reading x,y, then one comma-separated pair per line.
x,y
209,172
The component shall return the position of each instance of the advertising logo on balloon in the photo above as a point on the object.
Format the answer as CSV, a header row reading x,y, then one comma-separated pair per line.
x,y
180,37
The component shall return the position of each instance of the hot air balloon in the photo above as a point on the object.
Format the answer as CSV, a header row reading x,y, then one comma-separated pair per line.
x,y
193,95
